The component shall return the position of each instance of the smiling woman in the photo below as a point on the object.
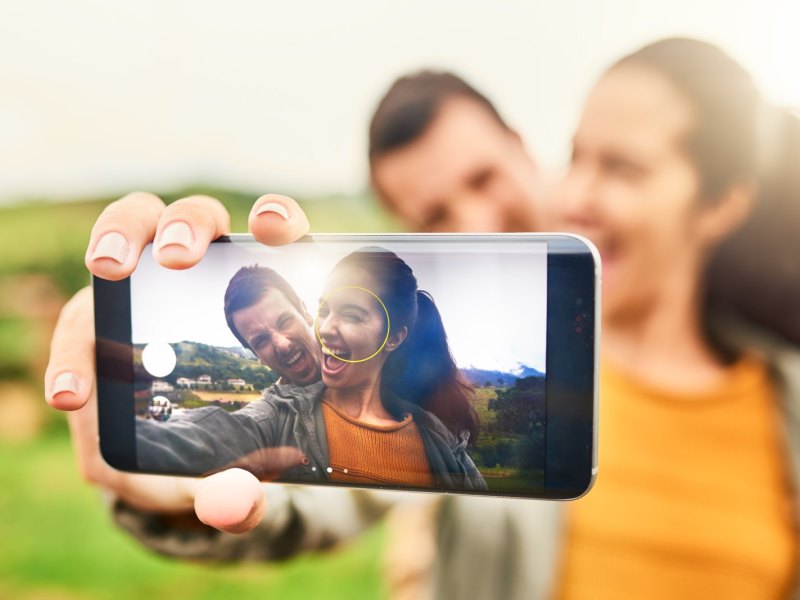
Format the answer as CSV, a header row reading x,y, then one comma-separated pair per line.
x,y
372,395
416,363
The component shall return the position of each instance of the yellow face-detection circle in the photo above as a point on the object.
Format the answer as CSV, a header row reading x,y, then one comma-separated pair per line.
x,y
388,325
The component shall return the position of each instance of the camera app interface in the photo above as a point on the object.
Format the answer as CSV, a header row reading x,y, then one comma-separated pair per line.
x,y
405,364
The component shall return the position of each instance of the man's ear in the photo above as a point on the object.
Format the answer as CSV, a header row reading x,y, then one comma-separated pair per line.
x,y
396,338
720,219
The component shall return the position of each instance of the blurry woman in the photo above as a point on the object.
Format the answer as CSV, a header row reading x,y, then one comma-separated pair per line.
x,y
693,496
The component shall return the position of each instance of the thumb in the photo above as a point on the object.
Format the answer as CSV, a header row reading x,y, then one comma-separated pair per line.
x,y
231,501
276,220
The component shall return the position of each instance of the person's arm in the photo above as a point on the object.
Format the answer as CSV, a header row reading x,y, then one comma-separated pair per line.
x,y
298,519
208,439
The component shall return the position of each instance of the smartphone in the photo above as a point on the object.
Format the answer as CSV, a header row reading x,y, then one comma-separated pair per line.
x,y
463,363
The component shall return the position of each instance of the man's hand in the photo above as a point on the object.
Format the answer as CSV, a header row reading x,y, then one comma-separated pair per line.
x,y
232,500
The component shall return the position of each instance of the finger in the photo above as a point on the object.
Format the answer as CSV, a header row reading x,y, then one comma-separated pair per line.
x,y
185,229
69,378
231,501
121,232
276,220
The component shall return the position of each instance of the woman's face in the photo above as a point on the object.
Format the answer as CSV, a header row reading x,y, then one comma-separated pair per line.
x,y
632,189
352,330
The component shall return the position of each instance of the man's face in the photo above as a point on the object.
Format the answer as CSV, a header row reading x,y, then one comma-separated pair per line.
x,y
281,336
467,172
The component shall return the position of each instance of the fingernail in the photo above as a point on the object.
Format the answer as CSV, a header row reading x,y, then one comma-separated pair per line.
x,y
112,245
177,233
66,382
273,207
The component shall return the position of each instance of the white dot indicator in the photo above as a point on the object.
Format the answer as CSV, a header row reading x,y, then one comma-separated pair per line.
x,y
345,471
159,359
329,469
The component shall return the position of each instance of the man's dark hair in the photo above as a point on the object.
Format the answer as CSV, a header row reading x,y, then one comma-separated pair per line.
x,y
248,286
411,105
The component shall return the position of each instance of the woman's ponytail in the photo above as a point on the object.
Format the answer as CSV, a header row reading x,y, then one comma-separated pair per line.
x,y
755,273
423,370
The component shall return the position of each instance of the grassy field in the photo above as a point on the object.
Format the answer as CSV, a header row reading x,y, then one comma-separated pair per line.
x,y
57,542
481,403
208,396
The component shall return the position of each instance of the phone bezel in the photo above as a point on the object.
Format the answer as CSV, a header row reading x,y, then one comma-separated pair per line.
x,y
573,328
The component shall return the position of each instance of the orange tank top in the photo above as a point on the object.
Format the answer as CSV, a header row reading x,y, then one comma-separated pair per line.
x,y
364,453
692,498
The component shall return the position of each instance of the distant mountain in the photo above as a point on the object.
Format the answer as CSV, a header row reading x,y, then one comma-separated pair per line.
x,y
480,377
238,351
526,371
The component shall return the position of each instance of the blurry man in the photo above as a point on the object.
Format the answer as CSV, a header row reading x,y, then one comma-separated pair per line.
x,y
443,159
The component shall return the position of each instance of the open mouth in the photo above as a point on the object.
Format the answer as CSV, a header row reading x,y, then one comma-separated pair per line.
x,y
333,359
294,360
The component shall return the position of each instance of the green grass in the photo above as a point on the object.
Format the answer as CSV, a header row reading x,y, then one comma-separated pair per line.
x,y
481,403
17,345
57,541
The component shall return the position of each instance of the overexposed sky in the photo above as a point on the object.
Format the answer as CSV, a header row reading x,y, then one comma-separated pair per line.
x,y
493,303
101,97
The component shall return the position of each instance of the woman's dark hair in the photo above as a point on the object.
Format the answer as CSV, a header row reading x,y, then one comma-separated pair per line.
x,y
736,138
410,106
248,286
422,369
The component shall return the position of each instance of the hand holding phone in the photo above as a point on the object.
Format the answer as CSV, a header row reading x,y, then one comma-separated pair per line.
x,y
231,501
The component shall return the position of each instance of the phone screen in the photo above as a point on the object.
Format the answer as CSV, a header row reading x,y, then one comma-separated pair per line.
x,y
399,362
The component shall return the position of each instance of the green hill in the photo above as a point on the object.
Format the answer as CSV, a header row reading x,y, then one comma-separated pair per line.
x,y
221,364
